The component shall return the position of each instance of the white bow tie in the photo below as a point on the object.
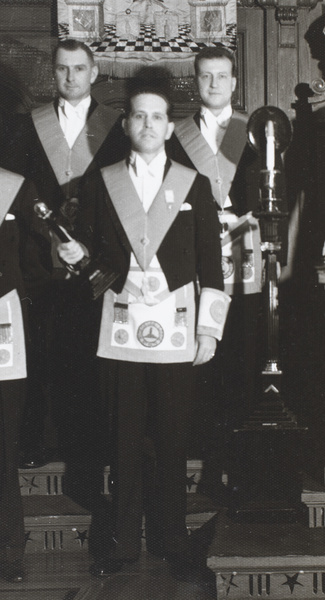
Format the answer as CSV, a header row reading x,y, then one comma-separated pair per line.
x,y
222,124
141,169
74,111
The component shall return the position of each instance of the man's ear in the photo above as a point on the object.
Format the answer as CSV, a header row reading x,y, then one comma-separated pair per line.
x,y
125,126
233,83
170,129
94,73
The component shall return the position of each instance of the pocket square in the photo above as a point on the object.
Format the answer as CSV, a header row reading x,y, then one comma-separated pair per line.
x,y
9,217
186,206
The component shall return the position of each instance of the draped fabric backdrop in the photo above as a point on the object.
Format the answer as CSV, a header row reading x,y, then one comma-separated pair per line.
x,y
164,32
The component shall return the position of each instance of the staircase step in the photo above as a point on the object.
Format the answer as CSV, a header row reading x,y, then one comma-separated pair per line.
x,y
49,479
54,522
57,523
313,496
45,480
284,560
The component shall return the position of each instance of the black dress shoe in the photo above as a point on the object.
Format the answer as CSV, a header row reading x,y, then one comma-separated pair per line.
x,y
32,461
188,571
12,572
156,549
106,567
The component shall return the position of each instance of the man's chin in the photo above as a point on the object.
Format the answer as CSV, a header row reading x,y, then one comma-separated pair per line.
x,y
71,95
216,105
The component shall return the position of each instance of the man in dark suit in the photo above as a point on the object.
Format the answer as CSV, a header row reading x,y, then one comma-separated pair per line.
x,y
155,222
15,198
214,142
54,146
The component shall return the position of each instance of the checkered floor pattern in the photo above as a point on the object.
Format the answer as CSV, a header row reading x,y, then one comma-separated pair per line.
x,y
149,42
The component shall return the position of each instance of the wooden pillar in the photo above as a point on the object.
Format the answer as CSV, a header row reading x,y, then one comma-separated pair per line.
x,y
250,27
276,55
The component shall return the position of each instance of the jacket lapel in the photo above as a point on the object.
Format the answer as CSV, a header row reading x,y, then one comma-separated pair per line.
x,y
52,139
93,135
9,188
220,168
78,158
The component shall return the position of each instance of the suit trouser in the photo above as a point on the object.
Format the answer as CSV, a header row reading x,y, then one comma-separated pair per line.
x,y
240,353
12,539
155,399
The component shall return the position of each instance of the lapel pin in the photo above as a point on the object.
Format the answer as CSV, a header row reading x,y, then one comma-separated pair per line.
x,y
169,198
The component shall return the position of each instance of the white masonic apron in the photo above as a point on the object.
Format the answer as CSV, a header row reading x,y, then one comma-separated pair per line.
x,y
147,322
12,340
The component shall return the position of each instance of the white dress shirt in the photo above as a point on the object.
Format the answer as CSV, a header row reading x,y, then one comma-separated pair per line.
x,y
213,129
212,126
147,179
73,118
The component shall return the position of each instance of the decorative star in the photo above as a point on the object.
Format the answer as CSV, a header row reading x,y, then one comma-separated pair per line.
x,y
81,536
229,583
29,483
191,481
292,581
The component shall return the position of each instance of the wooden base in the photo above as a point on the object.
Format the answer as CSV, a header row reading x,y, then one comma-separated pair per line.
x,y
267,560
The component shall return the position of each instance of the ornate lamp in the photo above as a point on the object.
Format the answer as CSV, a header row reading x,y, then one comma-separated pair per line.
x,y
268,479
269,131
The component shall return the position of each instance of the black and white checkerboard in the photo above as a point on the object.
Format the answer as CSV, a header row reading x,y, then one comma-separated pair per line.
x,y
149,42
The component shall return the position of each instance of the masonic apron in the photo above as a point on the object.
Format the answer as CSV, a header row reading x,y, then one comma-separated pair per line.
x,y
147,322
12,341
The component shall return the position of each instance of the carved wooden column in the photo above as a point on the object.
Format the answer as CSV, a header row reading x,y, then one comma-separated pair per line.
x,y
284,50
279,59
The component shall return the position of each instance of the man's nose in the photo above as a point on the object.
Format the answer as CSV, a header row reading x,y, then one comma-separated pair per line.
x,y
70,74
214,81
148,121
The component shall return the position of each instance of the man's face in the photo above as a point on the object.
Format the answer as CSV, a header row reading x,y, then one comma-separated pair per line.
x,y
147,125
74,74
215,83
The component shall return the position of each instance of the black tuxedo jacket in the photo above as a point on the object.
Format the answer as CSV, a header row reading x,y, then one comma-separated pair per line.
x,y
189,250
24,154
244,192
245,189
13,235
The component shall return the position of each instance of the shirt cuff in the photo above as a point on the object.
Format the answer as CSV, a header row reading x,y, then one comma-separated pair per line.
x,y
213,310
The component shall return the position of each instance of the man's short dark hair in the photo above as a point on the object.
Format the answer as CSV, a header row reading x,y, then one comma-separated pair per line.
x,y
149,80
72,45
210,52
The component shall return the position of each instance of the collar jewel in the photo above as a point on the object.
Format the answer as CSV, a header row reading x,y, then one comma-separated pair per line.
x,y
169,198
